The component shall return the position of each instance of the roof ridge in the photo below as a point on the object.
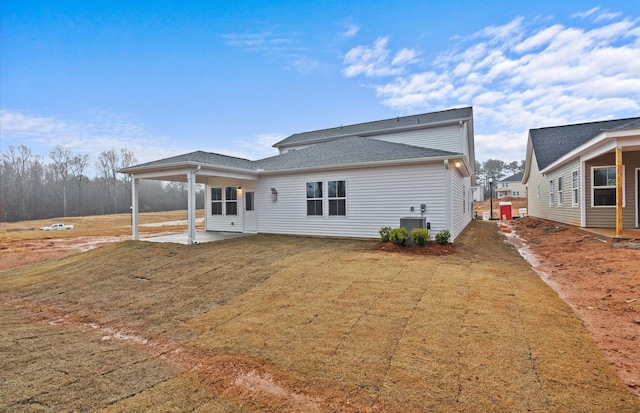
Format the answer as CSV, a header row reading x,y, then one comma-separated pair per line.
x,y
586,123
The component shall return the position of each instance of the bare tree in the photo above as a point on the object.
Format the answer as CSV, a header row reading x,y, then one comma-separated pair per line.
x,y
16,164
108,163
127,158
78,165
62,168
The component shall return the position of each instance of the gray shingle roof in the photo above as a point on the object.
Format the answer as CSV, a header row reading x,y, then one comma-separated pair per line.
x,y
550,144
378,126
513,178
343,151
200,157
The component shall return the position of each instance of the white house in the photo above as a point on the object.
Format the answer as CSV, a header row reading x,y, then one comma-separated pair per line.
x,y
347,181
511,186
587,174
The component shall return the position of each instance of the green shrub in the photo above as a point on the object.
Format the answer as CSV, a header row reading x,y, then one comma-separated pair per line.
x,y
420,236
384,233
443,236
399,236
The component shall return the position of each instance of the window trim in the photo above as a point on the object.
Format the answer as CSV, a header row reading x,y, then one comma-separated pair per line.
x,y
551,194
336,198
560,196
315,198
575,188
594,188
228,202
217,201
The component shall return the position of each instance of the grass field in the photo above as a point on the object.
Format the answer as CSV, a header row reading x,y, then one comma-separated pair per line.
x,y
276,323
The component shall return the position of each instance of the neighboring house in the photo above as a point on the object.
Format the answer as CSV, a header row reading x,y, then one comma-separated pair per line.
x,y
511,187
347,181
570,173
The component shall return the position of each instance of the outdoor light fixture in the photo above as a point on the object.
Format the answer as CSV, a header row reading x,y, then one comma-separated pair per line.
x,y
458,164
274,194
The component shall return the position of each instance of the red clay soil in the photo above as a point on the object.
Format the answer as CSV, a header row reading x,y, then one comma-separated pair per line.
x,y
599,279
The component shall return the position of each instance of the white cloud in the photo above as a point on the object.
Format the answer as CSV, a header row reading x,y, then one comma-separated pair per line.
x,y
259,147
586,13
98,132
273,46
519,75
351,31
375,61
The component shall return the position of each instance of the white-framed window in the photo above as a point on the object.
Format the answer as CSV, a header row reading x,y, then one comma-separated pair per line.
x,y
337,194
314,198
231,200
603,187
551,193
516,193
575,192
505,184
560,192
216,201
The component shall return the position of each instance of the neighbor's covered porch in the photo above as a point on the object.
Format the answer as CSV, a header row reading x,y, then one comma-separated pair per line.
x,y
611,176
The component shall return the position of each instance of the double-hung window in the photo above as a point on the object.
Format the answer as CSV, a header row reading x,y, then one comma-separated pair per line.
x,y
604,186
560,192
231,200
216,201
314,198
574,189
551,192
337,198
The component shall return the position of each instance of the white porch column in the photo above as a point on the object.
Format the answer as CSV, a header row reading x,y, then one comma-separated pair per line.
x,y
619,191
134,209
191,207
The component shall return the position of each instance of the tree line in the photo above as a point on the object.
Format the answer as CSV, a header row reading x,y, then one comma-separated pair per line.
x,y
494,170
33,187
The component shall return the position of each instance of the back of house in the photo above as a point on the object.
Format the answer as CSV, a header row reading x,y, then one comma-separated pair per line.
x,y
346,181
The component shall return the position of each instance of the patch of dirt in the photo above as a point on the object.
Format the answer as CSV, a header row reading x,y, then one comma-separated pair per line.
x,y
598,279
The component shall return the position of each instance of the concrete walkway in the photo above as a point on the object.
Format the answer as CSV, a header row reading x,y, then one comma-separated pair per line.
x,y
201,237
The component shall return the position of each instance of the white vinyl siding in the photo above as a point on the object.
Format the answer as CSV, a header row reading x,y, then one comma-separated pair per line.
x,y
446,138
376,197
551,193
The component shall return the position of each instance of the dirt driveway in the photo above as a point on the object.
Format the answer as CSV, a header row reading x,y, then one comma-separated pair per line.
x,y
274,323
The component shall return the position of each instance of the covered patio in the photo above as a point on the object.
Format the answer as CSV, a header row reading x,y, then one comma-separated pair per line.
x,y
192,168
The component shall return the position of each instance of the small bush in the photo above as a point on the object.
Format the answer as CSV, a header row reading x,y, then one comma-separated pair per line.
x,y
384,233
420,236
443,236
399,236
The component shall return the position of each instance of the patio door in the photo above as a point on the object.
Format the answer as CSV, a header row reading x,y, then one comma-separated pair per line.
x,y
249,214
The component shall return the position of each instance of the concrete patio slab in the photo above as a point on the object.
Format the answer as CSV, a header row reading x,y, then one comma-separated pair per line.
x,y
201,237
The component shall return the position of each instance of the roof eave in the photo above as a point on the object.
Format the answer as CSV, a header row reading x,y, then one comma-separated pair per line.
x,y
391,162
182,164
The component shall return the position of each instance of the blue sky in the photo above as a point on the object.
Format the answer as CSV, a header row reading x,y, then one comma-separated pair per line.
x,y
163,77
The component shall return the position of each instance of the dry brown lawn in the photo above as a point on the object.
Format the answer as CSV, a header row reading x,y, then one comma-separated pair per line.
x,y
276,323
